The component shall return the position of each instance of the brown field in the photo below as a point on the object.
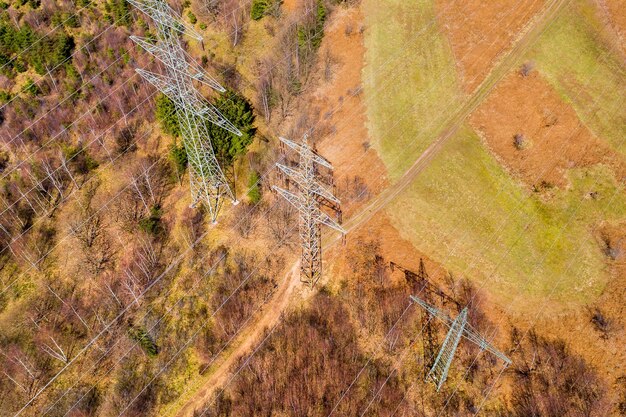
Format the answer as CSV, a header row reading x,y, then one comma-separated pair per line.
x,y
556,138
341,106
487,29
393,247
615,12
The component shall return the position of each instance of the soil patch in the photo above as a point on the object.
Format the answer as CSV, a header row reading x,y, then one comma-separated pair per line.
x,y
481,31
536,134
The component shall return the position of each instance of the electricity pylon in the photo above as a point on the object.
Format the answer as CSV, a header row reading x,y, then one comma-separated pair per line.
x,y
459,327
310,196
421,285
208,183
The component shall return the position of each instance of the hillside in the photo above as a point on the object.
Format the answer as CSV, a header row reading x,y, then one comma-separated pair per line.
x,y
479,164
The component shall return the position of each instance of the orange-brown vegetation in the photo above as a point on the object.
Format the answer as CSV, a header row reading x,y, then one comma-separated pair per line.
x,y
616,13
549,380
359,348
359,173
537,135
479,32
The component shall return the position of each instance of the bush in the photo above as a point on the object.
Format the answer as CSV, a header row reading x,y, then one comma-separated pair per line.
x,y
141,336
125,140
192,18
31,88
5,96
79,159
118,12
152,223
4,160
69,20
519,140
310,36
178,156
259,8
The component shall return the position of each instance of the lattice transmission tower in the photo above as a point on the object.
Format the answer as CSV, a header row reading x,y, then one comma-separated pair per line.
x,y
208,182
422,286
459,327
311,195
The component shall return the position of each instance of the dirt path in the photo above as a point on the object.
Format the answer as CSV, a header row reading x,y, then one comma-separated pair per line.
x,y
272,312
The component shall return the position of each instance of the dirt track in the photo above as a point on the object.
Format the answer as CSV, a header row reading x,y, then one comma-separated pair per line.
x,y
270,315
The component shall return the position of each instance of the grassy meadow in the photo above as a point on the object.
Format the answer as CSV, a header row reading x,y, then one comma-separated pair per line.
x,y
465,210
576,57
409,79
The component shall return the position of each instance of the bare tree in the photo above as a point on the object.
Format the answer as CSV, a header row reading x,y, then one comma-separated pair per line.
x,y
245,220
89,229
282,223
527,68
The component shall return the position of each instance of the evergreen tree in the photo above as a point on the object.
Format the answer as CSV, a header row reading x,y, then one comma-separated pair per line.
x,y
238,110
166,115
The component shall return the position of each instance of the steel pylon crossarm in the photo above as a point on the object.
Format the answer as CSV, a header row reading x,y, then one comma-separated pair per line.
x,y
439,371
188,68
163,14
459,327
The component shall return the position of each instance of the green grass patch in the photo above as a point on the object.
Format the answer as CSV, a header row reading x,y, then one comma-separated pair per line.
x,y
467,213
578,61
409,79
254,187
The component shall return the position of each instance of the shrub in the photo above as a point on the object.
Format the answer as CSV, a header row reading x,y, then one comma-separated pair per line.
x,y
141,336
152,223
78,158
310,36
519,140
262,8
527,68
5,96
4,160
258,9
125,140
118,12
192,18
31,88
69,20
178,157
